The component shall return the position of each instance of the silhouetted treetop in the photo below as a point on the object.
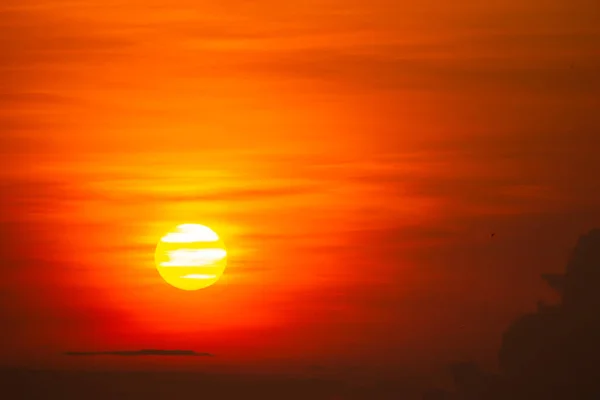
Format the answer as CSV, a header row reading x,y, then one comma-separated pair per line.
x,y
553,353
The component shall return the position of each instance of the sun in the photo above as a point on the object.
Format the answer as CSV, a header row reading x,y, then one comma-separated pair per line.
x,y
191,257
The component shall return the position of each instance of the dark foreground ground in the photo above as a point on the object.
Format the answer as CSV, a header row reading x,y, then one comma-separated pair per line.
x,y
93,385
550,354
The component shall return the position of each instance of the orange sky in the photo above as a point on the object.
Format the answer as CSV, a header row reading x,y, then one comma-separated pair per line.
x,y
354,156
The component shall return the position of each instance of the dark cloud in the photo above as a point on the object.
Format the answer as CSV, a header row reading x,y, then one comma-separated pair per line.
x,y
240,194
476,174
31,191
24,198
144,352
31,39
551,353
14,126
17,99
395,68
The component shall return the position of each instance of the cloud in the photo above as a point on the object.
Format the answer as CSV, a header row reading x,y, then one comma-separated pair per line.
x,y
242,194
553,352
393,67
143,352
35,98
38,38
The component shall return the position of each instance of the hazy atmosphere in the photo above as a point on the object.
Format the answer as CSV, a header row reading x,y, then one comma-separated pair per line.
x,y
389,180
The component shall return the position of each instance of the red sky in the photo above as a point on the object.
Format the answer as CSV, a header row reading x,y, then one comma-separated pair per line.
x,y
354,156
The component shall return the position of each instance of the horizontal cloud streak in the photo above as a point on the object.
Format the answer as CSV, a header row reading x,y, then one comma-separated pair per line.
x,y
144,352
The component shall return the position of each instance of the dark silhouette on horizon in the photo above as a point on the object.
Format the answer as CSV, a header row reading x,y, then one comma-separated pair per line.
x,y
553,353
143,352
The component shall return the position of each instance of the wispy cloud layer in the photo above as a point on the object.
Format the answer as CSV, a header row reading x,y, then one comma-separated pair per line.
x,y
354,156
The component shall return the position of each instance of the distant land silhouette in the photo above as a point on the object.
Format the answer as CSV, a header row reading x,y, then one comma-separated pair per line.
x,y
143,352
32,384
553,353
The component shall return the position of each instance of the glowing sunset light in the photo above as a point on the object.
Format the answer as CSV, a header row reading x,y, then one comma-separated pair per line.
x,y
190,233
199,276
184,261
333,197
193,257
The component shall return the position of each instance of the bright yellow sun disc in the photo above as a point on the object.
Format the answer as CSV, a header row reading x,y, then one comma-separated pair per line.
x,y
191,257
